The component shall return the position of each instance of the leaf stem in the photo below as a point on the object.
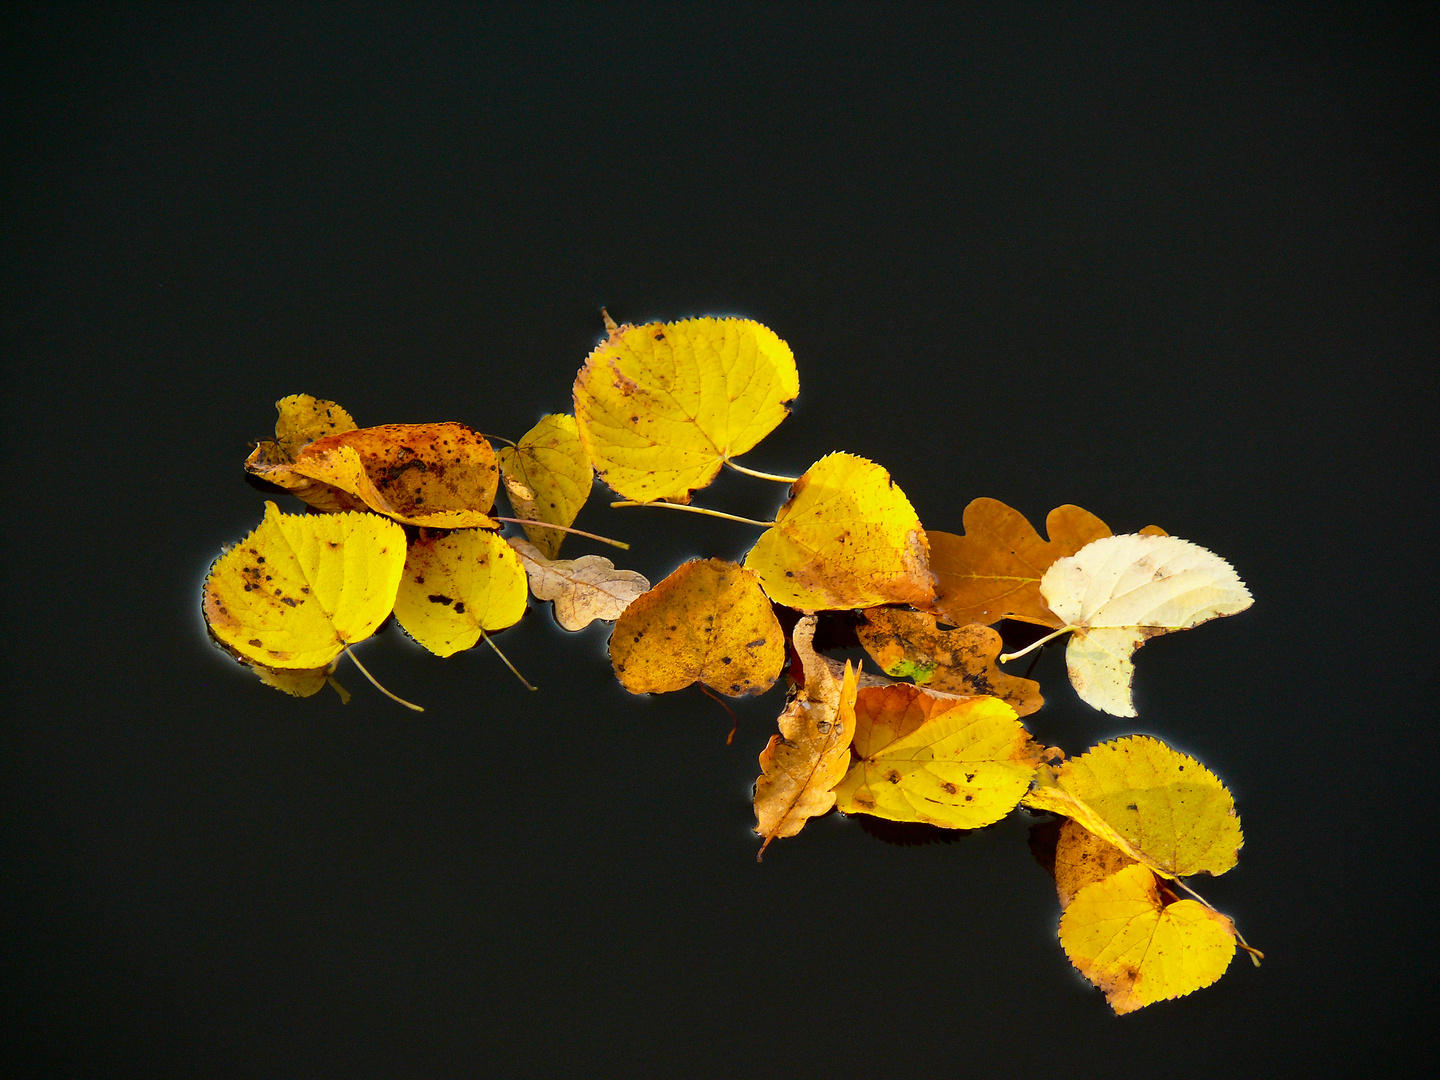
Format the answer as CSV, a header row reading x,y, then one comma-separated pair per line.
x,y
374,682
566,529
697,510
1003,657
506,659
759,475
1255,954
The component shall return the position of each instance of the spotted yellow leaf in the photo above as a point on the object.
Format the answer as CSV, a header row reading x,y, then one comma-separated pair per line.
x,y
458,584
302,419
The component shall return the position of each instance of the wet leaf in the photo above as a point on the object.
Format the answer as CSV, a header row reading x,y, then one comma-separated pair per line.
x,y
1123,935
548,477
661,406
908,645
1082,858
456,585
847,538
300,588
959,763
1118,592
584,589
1157,805
302,419
707,622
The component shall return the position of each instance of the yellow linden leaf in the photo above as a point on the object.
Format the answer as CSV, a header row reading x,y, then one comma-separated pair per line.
x,y
707,622
801,765
848,538
302,419
584,589
1155,804
300,588
443,476
1082,858
548,478
456,585
959,763
1119,591
659,407
1122,935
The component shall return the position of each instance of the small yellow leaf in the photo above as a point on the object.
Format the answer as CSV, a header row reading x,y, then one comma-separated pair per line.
x,y
300,588
1155,804
456,585
1122,935
659,407
707,622
1119,591
548,478
959,763
848,538
302,419
584,589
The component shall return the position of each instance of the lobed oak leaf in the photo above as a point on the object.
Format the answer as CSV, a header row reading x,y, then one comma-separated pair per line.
x,y
909,645
956,762
547,476
457,585
1157,805
660,407
583,589
847,538
300,588
442,476
708,622
1119,591
1139,944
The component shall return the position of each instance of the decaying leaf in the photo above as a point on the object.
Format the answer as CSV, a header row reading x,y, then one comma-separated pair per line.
x,y
908,645
302,419
801,766
1082,858
458,585
847,538
709,622
1139,944
956,762
442,476
1157,805
548,477
1119,591
661,406
584,589
300,588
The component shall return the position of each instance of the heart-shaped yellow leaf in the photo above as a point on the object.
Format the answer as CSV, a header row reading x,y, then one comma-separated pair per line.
x,y
457,585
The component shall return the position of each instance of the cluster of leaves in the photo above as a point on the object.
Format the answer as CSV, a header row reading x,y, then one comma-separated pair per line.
x,y
407,526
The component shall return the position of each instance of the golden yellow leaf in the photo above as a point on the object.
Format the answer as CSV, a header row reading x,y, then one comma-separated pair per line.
x,y
1157,805
1082,858
847,538
300,588
1119,591
1123,935
709,622
959,763
302,419
456,585
443,476
548,478
801,765
584,589
661,406
908,645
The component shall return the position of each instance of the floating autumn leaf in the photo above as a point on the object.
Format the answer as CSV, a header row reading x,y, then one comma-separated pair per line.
x,y
1132,938
1157,805
1117,592
660,407
457,585
956,762
1082,858
548,478
442,476
584,589
301,588
847,538
707,622
801,766
908,645
302,419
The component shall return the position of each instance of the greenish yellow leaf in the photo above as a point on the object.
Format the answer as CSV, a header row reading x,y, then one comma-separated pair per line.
x,y
548,478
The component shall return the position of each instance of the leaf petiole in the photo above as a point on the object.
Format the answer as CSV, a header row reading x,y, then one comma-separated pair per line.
x,y
697,510
565,529
759,475
506,659
1003,657
1255,954
374,682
